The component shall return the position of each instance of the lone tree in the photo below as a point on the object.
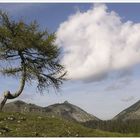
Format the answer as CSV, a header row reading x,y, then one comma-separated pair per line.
x,y
30,54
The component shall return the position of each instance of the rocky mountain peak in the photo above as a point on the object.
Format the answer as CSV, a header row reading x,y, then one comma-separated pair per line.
x,y
66,102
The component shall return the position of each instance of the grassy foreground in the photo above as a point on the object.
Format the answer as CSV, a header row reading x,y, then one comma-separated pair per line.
x,y
25,125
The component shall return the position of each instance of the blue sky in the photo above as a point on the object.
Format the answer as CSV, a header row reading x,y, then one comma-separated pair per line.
x,y
104,97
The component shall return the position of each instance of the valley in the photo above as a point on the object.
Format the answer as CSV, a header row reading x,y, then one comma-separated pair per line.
x,y
64,120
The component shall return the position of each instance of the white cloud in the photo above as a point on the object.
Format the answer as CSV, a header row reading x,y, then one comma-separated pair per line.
x,y
96,42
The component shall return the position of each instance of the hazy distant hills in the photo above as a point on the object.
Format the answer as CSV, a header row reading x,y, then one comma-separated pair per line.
x,y
64,110
131,113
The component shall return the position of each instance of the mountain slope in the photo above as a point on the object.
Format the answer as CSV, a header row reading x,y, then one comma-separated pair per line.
x,y
64,110
131,113
20,106
69,111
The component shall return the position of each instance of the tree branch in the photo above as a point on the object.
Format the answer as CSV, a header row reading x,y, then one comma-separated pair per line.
x,y
8,95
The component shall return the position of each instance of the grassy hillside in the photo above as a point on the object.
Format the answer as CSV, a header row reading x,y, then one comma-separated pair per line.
x,y
17,124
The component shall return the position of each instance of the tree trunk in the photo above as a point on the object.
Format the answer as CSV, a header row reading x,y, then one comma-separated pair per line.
x,y
8,95
3,103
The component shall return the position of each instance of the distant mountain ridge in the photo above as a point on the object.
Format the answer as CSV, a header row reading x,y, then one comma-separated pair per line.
x,y
64,110
131,113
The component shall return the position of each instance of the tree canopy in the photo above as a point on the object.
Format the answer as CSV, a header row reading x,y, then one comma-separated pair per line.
x,y
29,53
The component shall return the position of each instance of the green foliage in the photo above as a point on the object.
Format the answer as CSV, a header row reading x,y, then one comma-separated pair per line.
x,y
26,45
127,126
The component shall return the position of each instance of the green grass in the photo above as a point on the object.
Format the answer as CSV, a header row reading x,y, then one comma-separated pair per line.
x,y
23,125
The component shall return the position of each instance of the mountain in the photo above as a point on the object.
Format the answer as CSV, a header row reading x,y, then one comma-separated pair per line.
x,y
131,113
64,110
69,111
20,106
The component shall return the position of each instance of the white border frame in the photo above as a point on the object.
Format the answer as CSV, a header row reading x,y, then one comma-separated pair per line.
x,y
69,1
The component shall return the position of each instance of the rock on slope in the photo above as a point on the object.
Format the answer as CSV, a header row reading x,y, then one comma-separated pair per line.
x,y
131,113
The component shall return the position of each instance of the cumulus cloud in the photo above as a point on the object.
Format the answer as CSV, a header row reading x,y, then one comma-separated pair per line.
x,y
97,42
